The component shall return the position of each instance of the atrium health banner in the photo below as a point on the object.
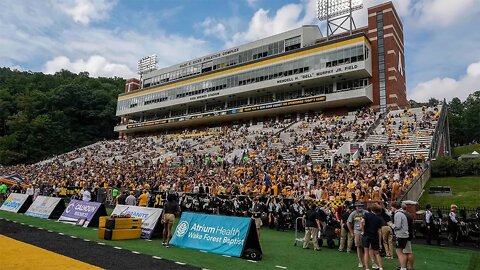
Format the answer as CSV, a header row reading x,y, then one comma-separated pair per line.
x,y
150,217
43,207
14,202
224,235
83,213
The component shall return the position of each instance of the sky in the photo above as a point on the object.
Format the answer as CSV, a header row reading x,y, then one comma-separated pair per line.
x,y
108,37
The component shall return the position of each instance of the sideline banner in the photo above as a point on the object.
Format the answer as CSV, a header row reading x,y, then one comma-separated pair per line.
x,y
150,217
17,203
224,235
46,207
82,213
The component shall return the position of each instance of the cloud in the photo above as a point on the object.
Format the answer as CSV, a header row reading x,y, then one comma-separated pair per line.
x,y
263,24
443,13
96,65
212,27
252,3
449,88
85,11
37,34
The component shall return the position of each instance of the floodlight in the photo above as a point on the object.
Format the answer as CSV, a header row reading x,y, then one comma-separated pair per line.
x,y
333,10
147,63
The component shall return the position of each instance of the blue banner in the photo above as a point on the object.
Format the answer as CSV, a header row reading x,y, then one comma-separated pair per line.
x,y
212,233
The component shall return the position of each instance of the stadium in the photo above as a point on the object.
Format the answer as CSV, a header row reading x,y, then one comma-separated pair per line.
x,y
287,75
222,160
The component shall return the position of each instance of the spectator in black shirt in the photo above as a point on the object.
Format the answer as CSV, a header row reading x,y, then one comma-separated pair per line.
x,y
371,235
387,235
345,235
121,199
312,225
171,209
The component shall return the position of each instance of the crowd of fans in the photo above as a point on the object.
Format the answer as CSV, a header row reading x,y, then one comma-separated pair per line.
x,y
269,159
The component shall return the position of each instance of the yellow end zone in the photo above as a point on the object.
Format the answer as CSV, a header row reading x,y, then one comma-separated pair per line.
x,y
18,255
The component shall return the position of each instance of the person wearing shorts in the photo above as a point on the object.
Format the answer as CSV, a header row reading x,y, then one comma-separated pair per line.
x,y
400,227
170,210
354,225
257,214
372,235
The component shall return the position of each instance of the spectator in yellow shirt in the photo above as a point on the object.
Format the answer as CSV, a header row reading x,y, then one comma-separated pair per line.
x,y
143,199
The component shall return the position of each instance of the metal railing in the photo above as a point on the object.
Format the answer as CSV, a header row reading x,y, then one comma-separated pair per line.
x,y
415,189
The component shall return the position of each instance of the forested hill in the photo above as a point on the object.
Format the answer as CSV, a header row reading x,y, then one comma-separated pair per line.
x,y
42,115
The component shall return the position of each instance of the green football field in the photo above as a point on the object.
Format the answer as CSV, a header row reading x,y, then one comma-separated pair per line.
x,y
279,252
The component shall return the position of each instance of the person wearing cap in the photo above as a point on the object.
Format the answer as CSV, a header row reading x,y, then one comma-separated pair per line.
x,y
453,224
354,225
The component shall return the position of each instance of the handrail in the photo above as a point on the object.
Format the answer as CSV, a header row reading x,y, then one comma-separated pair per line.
x,y
440,126
405,195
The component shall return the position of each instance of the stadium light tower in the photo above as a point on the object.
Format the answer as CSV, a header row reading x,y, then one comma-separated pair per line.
x,y
338,13
147,64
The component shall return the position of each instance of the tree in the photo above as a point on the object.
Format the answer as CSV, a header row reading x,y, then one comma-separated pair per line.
x,y
43,115
432,102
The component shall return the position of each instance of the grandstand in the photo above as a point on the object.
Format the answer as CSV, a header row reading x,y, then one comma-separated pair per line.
x,y
287,76
342,114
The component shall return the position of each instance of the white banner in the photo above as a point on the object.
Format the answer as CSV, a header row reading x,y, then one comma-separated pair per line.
x,y
149,216
43,207
14,202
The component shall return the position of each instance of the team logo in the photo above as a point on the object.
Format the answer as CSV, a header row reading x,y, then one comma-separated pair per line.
x,y
182,229
69,208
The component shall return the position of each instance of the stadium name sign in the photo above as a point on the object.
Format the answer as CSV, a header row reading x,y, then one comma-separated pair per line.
x,y
202,232
235,111
210,57
321,73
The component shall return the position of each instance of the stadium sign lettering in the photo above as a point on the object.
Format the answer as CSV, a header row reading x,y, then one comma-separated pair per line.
x,y
315,74
207,58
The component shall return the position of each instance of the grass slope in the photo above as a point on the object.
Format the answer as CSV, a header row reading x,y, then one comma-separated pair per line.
x,y
465,192
277,247
466,149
